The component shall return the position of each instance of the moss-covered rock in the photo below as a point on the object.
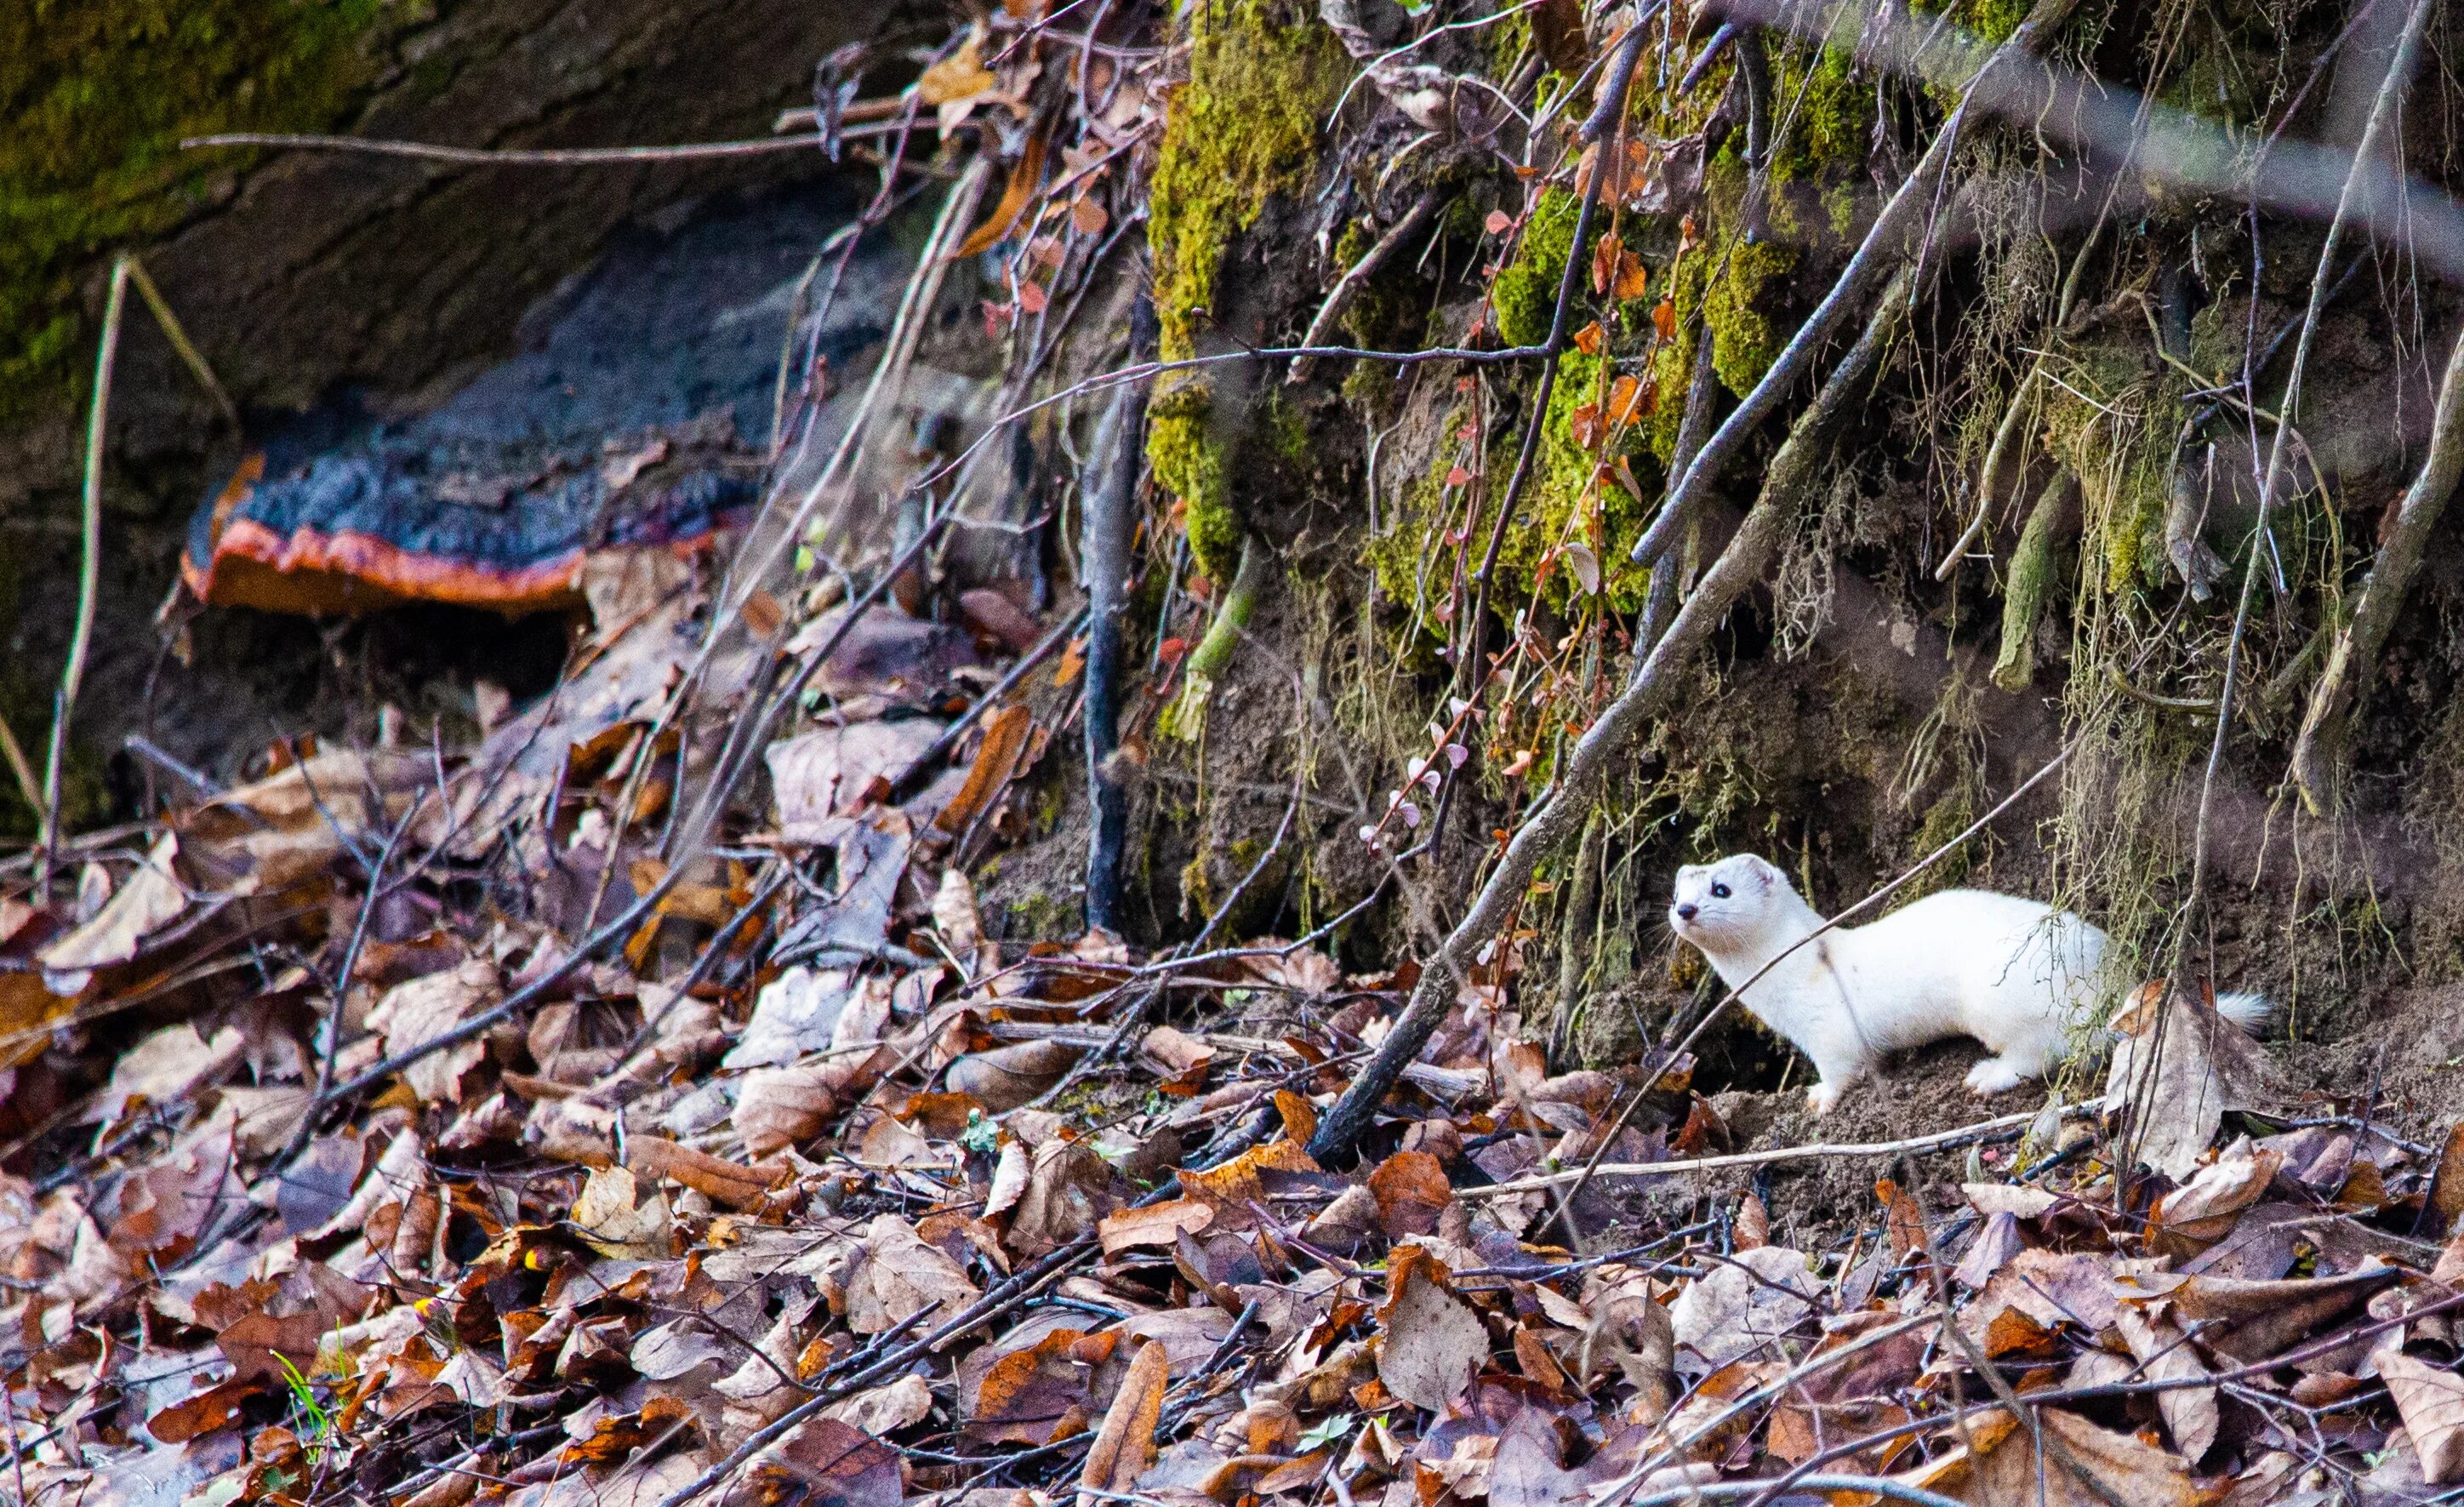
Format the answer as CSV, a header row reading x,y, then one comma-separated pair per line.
x,y
1524,293
98,94
1245,127
1736,311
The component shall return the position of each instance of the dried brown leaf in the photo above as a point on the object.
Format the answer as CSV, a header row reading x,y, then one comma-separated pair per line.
x,y
2430,1399
1434,1344
1124,1445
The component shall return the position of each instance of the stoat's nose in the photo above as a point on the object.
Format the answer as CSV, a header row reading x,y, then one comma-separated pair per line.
x,y
1686,913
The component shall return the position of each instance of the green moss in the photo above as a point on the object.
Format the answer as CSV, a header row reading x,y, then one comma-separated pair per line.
x,y
1949,815
1287,429
1262,73
98,94
1507,40
1561,484
1399,555
1995,20
1525,295
1380,315
1037,917
1737,310
1188,460
1672,364
1829,117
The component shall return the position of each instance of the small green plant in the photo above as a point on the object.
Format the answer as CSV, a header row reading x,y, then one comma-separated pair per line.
x,y
319,1424
980,1134
1327,1433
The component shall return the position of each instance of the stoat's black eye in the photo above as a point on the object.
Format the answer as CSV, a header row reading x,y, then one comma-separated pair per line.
x,y
1719,892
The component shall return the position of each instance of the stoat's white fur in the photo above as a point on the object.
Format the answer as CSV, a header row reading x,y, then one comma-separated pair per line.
x,y
2016,974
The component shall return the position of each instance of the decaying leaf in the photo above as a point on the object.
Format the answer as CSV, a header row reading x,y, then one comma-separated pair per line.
x,y
619,1217
1435,1344
416,1013
2178,1066
2430,1398
1124,1445
898,1276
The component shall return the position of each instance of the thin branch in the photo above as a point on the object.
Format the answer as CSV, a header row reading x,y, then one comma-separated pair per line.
x,y
530,156
180,342
2002,1127
1887,244
2352,665
1356,277
2382,109
1106,522
89,572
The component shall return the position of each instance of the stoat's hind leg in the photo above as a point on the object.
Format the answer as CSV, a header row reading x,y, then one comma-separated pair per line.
x,y
1996,1075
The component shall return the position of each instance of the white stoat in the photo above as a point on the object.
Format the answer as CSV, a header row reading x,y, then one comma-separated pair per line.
x,y
2016,974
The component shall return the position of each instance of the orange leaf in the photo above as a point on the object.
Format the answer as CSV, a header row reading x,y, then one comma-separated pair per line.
x,y
1300,1117
1236,1182
1589,338
1412,1189
1005,742
1632,277
1663,316
1583,427
1125,1446
1024,181
1604,262
1625,399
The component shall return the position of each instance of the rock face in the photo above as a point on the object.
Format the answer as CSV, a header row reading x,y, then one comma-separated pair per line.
x,y
312,270
304,275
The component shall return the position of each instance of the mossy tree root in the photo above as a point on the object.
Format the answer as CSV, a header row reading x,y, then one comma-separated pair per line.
x,y
2318,752
1207,662
1787,486
2032,577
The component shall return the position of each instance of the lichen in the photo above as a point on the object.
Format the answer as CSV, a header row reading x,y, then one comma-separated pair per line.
x,y
1524,293
98,94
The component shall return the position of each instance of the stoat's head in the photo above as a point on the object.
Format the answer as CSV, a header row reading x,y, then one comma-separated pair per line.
x,y
1721,906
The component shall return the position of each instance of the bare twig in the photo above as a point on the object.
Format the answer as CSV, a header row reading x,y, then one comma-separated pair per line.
x,y
89,572
531,157
2382,109
939,749
1108,501
178,338
1356,277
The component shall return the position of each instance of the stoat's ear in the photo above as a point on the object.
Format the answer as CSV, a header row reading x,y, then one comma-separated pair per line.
x,y
1770,876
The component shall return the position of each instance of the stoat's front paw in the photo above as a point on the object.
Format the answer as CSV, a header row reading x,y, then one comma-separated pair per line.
x,y
1823,1097
1992,1075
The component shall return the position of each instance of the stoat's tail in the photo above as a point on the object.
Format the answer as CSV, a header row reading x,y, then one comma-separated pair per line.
x,y
2250,1012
